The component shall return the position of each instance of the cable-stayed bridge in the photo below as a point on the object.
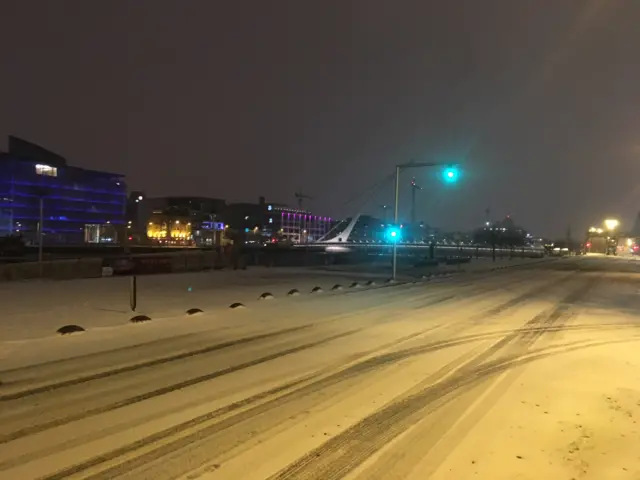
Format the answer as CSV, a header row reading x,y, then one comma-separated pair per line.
x,y
346,237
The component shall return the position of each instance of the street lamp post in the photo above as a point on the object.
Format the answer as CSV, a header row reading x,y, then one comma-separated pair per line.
x,y
399,167
41,192
40,234
611,224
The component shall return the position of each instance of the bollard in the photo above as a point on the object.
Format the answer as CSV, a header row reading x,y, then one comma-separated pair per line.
x,y
133,293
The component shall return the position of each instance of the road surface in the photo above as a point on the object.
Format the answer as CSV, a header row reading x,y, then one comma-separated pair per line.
x,y
526,373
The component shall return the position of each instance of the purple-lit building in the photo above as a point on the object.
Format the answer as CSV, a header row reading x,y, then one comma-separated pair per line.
x,y
295,226
78,205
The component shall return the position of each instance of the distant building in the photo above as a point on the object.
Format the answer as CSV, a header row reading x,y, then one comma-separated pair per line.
x,y
167,229
295,225
78,205
179,220
273,222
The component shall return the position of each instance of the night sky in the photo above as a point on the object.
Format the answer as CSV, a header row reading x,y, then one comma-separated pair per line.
x,y
538,99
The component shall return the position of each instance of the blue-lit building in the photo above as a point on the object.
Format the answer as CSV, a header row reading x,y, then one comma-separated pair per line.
x,y
78,205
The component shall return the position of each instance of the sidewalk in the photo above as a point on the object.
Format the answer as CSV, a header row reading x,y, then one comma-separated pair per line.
x,y
37,309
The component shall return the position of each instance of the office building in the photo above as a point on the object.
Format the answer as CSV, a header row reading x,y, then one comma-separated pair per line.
x,y
294,225
273,222
76,205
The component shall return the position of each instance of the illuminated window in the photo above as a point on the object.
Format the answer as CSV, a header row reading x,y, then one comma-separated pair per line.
x,y
46,170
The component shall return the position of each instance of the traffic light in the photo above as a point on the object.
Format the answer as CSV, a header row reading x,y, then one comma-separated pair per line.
x,y
393,234
450,174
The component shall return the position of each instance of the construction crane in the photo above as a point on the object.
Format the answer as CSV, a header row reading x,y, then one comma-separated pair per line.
x,y
414,188
300,197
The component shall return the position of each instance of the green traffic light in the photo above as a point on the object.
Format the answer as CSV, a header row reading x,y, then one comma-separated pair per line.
x,y
393,234
450,174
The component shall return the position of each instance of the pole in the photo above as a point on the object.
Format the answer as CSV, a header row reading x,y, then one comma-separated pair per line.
x,y
40,235
411,164
395,222
133,293
493,244
413,205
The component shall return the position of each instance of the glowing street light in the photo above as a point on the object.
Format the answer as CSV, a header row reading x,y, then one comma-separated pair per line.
x,y
450,174
611,223
393,234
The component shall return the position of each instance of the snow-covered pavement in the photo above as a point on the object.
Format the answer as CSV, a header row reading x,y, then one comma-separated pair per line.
x,y
37,309
530,372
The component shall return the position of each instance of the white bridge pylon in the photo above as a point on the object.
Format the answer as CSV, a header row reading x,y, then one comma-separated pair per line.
x,y
341,236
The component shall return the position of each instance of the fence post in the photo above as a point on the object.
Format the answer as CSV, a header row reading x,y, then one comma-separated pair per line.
x,y
133,292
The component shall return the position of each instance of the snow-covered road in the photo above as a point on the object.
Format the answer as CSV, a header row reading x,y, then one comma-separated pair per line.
x,y
526,373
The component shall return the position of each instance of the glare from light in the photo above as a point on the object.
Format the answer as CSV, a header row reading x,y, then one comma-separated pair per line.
x,y
140,197
599,230
611,223
593,229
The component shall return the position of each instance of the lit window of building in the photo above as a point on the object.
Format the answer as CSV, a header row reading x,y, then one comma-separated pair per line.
x,y
166,229
46,170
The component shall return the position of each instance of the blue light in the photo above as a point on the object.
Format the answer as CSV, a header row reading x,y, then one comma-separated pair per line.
x,y
393,234
59,186
71,199
71,220
450,174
